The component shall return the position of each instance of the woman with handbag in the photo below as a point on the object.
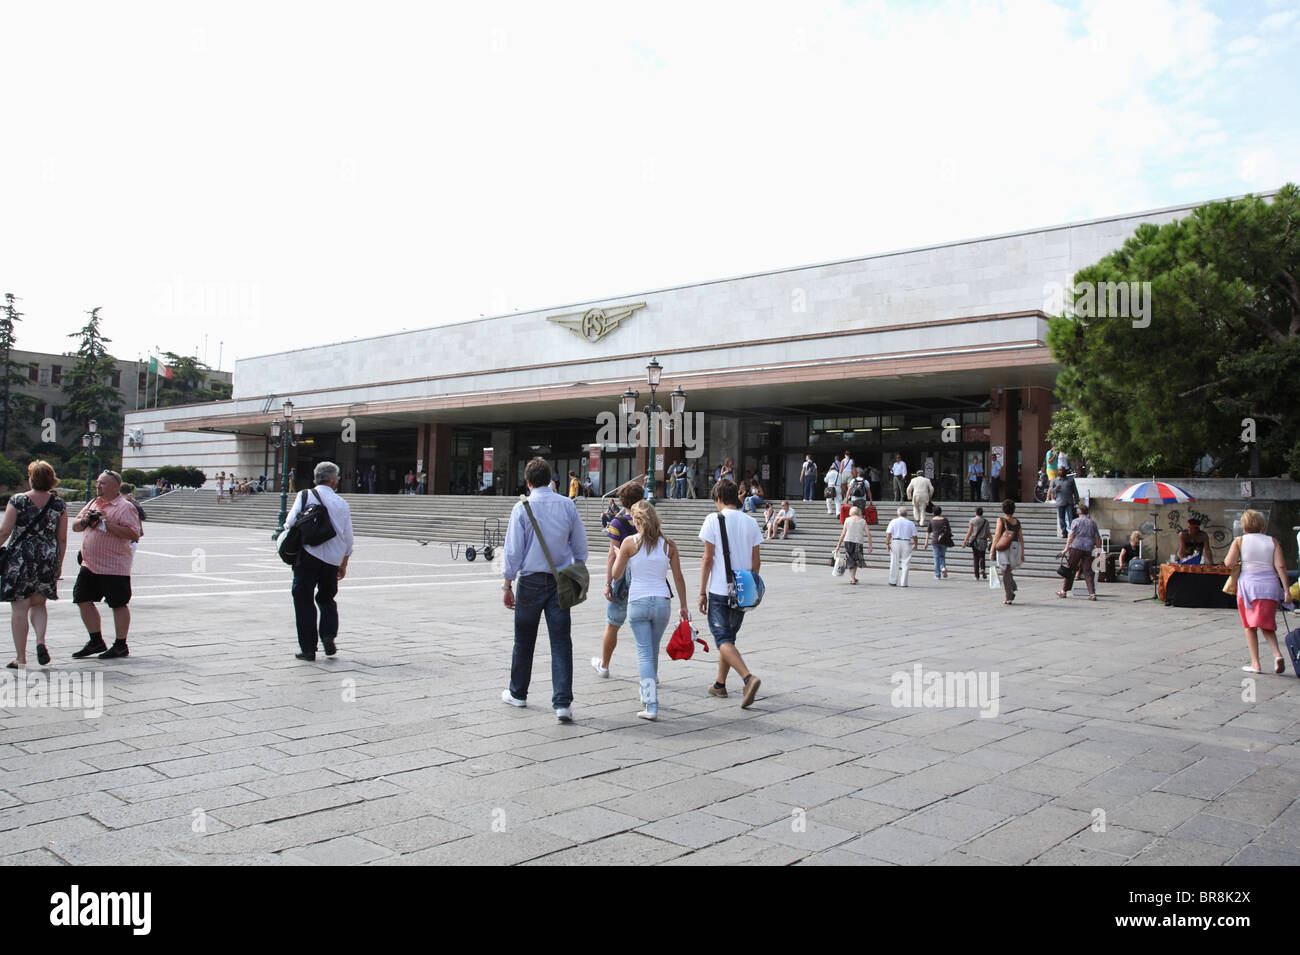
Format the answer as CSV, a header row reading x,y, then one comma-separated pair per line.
x,y
33,562
1008,549
977,539
1084,538
852,537
939,537
1261,586
649,555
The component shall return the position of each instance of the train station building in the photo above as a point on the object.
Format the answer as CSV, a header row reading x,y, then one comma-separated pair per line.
x,y
936,353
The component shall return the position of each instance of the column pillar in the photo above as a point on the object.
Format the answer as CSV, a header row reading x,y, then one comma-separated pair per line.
x,y
1002,434
435,446
1035,417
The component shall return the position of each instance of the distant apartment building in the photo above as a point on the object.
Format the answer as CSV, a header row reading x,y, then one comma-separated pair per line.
x,y
45,379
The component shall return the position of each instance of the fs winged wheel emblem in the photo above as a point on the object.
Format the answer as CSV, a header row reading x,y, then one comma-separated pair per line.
x,y
595,323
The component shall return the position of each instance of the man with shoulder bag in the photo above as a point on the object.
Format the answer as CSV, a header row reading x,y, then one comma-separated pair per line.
x,y
317,536
546,548
732,536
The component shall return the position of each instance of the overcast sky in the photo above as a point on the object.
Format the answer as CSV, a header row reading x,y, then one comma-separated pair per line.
x,y
275,174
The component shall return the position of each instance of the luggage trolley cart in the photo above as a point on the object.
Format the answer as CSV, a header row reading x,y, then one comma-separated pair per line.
x,y
492,542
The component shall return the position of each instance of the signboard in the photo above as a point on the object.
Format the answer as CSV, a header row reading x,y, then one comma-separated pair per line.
x,y
767,472
487,467
659,463
1000,453
593,459
975,434
1247,488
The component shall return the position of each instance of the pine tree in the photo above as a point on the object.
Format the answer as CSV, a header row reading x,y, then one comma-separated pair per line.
x,y
11,405
89,389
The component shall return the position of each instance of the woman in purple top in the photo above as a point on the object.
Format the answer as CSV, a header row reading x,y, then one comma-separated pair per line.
x,y
1083,539
1261,586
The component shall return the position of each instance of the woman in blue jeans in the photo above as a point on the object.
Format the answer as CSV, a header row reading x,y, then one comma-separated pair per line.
x,y
649,556
939,537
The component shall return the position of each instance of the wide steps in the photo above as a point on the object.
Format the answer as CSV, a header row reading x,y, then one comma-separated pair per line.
x,y
455,519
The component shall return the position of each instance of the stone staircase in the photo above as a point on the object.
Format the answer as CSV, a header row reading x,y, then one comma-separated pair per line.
x,y
455,519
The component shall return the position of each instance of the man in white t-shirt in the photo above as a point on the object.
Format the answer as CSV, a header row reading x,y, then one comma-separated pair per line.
x,y
900,538
743,539
899,471
783,523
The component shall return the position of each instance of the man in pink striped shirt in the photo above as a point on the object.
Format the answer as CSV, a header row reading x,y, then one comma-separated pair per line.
x,y
111,525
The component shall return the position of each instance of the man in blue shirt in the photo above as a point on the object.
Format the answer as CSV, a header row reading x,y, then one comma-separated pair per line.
x,y
566,538
995,476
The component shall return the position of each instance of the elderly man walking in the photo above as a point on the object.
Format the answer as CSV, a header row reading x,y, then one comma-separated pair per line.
x,y
111,526
566,540
320,567
900,537
919,492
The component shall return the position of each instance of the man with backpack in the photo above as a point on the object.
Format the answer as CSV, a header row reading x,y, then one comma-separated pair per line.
x,y
742,545
808,474
320,567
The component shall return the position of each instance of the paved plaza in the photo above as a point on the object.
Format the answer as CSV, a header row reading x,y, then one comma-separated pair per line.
x,y
1107,733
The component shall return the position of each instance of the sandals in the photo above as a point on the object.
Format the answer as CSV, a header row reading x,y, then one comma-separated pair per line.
x,y
1062,594
1250,669
1092,596
1278,665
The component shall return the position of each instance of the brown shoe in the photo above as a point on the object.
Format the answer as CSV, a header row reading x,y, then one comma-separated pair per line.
x,y
715,690
751,691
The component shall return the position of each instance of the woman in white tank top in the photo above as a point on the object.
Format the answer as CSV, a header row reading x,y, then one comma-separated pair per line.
x,y
1260,588
650,556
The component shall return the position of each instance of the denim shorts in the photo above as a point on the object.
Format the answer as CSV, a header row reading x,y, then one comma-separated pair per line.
x,y
723,621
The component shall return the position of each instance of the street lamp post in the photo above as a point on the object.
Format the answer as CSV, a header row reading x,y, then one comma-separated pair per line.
x,y
282,437
91,441
654,374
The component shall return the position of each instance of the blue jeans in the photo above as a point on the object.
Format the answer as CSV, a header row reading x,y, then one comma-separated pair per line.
x,y
681,487
616,609
724,623
1065,517
809,486
752,502
940,559
535,594
648,618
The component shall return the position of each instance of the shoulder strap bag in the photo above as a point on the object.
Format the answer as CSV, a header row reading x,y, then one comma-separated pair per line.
x,y
5,551
572,582
745,588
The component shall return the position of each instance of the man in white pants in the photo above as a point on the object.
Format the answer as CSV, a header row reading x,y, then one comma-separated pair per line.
x,y
900,536
920,491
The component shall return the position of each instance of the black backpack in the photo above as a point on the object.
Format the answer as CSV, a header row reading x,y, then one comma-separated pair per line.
x,y
312,527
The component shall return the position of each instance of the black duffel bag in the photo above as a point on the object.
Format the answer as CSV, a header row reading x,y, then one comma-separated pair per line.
x,y
312,527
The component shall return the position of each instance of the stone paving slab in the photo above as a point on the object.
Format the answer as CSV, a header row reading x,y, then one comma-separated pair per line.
x,y
215,746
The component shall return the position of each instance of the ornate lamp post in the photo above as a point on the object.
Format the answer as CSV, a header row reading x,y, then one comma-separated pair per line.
x,y
654,374
91,441
282,437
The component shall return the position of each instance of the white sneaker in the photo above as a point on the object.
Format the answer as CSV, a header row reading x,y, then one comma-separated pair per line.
x,y
647,715
601,671
564,714
507,698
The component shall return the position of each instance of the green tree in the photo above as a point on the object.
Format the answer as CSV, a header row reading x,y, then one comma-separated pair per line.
x,y
11,474
13,404
189,382
90,393
1219,347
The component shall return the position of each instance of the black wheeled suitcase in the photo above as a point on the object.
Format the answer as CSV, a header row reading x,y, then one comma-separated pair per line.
x,y
1139,571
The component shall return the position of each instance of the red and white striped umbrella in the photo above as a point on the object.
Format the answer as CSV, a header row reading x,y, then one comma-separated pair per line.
x,y
1154,492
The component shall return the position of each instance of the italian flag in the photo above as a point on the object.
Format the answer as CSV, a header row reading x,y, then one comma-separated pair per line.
x,y
157,369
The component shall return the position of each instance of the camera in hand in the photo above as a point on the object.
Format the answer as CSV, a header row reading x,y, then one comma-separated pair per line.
x,y
93,517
